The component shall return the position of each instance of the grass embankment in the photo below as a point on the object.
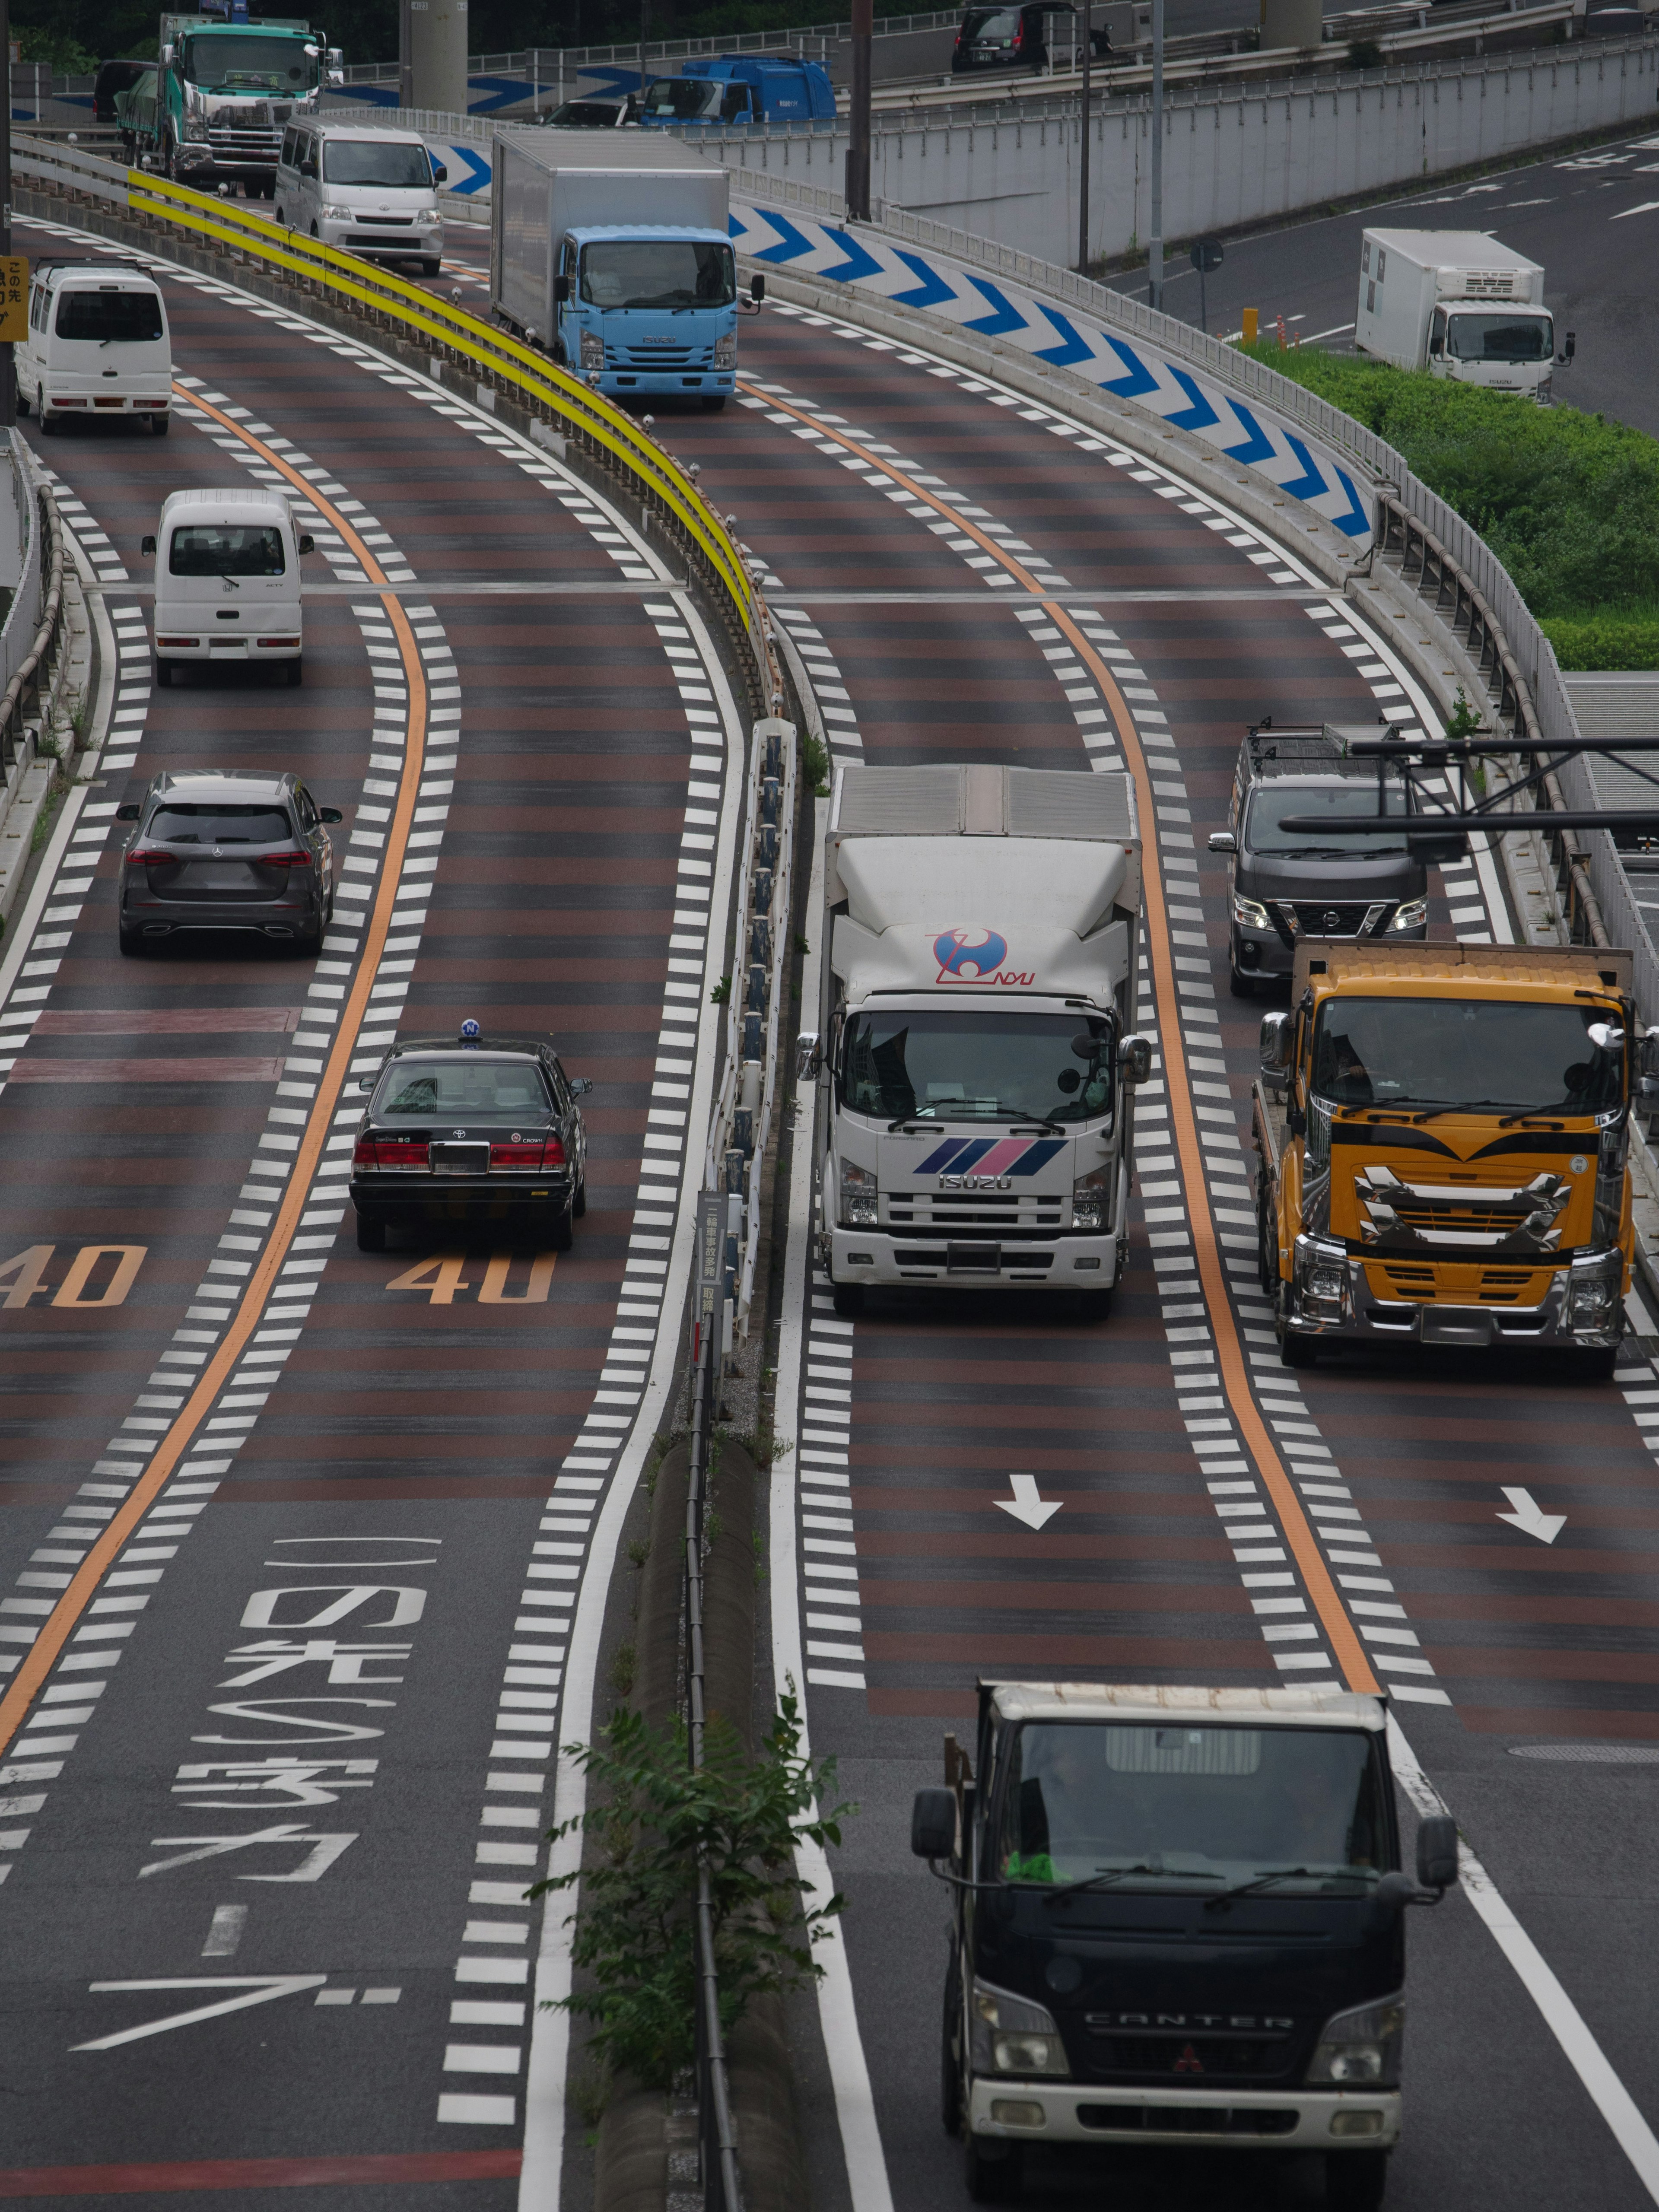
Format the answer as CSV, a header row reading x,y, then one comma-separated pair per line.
x,y
1568,501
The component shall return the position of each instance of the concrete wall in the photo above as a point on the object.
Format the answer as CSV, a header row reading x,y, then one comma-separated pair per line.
x,y
1230,157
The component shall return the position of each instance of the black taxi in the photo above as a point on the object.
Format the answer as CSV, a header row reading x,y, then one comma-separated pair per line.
x,y
473,1131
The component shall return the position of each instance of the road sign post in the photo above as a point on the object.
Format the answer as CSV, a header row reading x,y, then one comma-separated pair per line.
x,y
1206,254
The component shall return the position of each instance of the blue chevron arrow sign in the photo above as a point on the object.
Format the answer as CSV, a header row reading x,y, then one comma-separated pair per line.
x,y
933,286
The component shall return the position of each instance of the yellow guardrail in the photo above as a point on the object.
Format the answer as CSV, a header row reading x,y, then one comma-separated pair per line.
x,y
493,351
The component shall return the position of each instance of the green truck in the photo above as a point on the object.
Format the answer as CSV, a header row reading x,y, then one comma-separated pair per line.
x,y
214,109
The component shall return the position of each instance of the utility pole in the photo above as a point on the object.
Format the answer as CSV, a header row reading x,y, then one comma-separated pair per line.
x,y
645,32
7,352
1155,255
405,56
858,149
1083,148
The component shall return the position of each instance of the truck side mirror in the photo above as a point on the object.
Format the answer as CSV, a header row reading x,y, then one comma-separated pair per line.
x,y
1273,1053
330,814
129,813
934,1824
1221,841
166,57
1569,348
561,289
809,1055
1135,1058
757,290
146,544
1647,1069
1436,1851
439,170
307,543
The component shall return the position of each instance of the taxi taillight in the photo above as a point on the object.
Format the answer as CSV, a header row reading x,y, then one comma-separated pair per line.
x,y
391,1153
538,1153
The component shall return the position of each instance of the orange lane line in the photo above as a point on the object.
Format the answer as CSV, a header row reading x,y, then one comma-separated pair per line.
x,y
67,1613
1229,1350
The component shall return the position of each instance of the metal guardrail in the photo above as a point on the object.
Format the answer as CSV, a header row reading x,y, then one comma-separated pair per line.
x,y
499,360
546,59
741,1123
38,607
722,2189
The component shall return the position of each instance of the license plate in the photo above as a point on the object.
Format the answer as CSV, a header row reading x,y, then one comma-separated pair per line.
x,y
460,1160
237,651
217,876
973,1259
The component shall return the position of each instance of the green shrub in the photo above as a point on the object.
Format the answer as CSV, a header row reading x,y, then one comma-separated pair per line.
x,y
1605,640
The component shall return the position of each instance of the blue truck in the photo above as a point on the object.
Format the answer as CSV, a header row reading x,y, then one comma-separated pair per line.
x,y
614,255
725,89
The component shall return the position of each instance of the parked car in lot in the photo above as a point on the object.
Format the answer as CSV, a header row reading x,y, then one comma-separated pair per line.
x,y
244,850
226,558
471,1132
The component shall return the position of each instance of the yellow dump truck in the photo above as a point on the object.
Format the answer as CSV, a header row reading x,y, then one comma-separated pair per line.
x,y
1444,1132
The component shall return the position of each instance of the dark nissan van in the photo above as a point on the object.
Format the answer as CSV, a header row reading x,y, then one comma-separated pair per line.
x,y
1288,883
1178,1918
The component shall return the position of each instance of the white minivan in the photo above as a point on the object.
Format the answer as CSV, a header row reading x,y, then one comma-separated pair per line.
x,y
227,581
372,191
97,346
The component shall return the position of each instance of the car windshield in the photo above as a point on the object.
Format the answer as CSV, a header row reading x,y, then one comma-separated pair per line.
x,y
1501,337
1271,803
365,161
102,318
959,1066
178,822
219,62
1209,1806
658,272
683,99
461,1085
586,115
225,549
1438,1053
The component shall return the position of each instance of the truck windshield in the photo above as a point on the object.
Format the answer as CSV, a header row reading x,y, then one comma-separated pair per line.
x,y
1270,803
221,63
225,549
658,272
1501,337
365,161
1211,1807
105,317
1440,1053
683,99
957,1065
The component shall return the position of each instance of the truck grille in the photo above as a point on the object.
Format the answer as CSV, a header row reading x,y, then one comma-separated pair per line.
x,y
1453,1285
666,356
1196,2057
1333,918
1526,1219
1012,1216
1186,2120
243,145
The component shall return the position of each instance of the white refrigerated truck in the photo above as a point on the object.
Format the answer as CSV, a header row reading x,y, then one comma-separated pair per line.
x,y
975,1071
1456,303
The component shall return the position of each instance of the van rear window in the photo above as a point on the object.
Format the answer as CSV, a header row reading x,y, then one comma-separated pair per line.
x,y
223,549
129,317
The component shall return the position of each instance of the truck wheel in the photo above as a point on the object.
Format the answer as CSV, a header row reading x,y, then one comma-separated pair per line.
x,y
51,424
849,1298
295,673
1094,1306
1241,987
1355,2179
158,425
163,674
1267,1257
1297,1351
1596,1366
712,401
994,2172
949,2062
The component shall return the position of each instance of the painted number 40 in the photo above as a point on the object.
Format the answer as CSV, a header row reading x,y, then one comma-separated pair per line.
x,y
98,1275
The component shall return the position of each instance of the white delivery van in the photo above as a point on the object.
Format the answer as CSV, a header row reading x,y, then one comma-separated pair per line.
x,y
1456,303
372,191
97,345
227,581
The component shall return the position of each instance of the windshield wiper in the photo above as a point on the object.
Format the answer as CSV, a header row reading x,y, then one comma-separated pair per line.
x,y
905,1121
1283,1874
1543,1114
1455,1106
1123,1874
1022,1116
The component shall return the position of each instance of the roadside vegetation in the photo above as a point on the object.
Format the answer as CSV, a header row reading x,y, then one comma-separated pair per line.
x,y
1568,501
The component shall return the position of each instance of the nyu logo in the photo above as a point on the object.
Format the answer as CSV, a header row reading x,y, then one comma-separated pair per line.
x,y
961,961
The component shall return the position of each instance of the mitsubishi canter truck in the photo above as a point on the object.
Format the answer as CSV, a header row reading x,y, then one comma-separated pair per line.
x,y
975,1074
1176,1921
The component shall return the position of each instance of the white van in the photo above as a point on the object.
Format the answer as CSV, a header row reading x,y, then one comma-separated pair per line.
x,y
97,345
371,190
227,581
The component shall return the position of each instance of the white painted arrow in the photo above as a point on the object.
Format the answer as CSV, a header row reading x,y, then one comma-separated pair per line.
x,y
1530,1519
1025,1506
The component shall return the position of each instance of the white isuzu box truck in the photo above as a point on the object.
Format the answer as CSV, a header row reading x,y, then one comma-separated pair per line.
x,y
976,1072
1456,303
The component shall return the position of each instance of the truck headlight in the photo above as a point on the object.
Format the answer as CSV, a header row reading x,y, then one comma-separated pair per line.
x,y
1413,915
1011,2035
592,350
1593,1292
1321,1279
860,1201
1361,2049
1250,913
726,350
196,126
1092,1199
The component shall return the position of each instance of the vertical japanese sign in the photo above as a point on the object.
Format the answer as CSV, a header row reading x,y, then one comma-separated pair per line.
x,y
14,298
711,1266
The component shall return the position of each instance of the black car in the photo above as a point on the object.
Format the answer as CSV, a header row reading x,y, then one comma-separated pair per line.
x,y
113,77
593,114
471,1131
1329,883
1015,38
243,850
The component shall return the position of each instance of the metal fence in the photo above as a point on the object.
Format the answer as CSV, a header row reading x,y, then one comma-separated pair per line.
x,y
30,640
717,2138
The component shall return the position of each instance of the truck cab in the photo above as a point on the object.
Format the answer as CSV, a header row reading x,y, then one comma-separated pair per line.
x,y
649,308
1458,304
977,1081
728,88
1176,1918
1284,884
227,85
